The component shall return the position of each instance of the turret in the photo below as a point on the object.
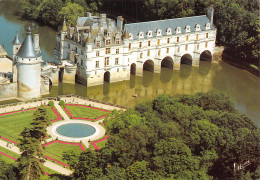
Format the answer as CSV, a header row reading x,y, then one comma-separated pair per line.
x,y
28,63
16,45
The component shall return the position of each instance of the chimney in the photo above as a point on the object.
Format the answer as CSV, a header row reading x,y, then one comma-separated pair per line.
x,y
36,40
88,14
103,17
210,14
119,23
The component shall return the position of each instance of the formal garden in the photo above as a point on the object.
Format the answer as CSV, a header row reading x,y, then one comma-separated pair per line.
x,y
59,152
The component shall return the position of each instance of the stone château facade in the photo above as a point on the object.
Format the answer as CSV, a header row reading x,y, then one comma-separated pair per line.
x,y
99,49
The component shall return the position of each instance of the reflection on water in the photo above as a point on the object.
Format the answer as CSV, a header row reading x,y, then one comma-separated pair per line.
x,y
239,84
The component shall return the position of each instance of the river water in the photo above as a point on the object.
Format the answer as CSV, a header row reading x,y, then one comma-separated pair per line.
x,y
243,87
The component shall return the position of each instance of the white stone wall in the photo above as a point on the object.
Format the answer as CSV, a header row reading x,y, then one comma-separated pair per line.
x,y
29,80
89,74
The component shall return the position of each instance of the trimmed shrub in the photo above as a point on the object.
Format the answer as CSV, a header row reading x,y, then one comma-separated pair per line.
x,y
62,103
51,103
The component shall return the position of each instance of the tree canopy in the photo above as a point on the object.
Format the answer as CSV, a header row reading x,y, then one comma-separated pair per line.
x,y
197,136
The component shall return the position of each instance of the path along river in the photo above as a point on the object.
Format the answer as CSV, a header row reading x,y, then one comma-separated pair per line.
x,y
242,86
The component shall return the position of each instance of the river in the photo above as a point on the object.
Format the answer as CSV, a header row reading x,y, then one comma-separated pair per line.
x,y
243,87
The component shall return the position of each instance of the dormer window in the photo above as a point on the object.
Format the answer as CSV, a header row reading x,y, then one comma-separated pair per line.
x,y
117,41
197,27
98,43
149,34
159,32
169,31
178,30
207,26
187,29
141,34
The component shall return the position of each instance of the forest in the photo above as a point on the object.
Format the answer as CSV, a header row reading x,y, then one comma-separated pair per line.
x,y
197,136
237,21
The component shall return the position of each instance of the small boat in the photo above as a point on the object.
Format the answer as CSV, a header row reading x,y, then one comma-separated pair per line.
x,y
134,95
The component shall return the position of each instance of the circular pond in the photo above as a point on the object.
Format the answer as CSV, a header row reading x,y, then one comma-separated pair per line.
x,y
75,130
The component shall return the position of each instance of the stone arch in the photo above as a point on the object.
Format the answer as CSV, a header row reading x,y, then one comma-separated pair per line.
x,y
186,59
133,69
206,56
107,76
167,62
148,65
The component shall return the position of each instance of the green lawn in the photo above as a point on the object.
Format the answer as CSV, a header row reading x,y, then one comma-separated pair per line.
x,y
13,124
56,150
85,112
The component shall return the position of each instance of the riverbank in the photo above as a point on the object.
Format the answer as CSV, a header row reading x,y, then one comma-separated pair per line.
x,y
240,64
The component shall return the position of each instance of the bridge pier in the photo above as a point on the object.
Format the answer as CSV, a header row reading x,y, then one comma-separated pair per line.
x,y
196,59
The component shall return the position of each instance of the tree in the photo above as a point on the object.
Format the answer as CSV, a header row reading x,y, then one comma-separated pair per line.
x,y
30,162
88,166
70,157
72,11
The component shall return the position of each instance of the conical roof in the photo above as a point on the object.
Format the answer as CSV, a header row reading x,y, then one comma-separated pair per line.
x,y
16,40
27,49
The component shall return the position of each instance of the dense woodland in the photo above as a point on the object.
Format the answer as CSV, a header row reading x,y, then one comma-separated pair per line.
x,y
197,136
237,21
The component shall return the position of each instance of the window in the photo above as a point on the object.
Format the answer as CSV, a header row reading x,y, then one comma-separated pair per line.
x,y
141,55
197,37
178,39
68,46
167,50
168,40
82,51
149,43
178,50
140,44
117,51
129,46
81,62
97,64
106,61
117,41
117,69
159,52
206,44
148,53
108,42
198,47
107,50
187,38
207,35
97,53
98,44
186,47
116,61
76,49
158,42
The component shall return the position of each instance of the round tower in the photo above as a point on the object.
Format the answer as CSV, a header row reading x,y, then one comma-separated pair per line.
x,y
28,64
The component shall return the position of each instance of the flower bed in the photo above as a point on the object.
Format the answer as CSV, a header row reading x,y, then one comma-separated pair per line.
x,y
94,143
84,112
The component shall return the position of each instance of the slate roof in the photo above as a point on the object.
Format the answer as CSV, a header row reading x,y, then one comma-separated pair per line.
x,y
135,28
27,49
16,40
